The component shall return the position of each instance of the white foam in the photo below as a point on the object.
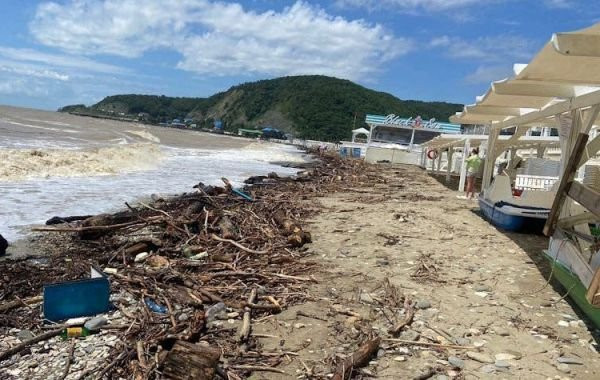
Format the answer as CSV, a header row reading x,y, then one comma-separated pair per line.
x,y
34,201
22,164
40,127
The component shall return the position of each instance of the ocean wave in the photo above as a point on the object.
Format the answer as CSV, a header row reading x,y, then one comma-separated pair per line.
x,y
23,164
264,152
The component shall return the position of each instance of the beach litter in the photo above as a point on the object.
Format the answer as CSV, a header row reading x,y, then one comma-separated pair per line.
x,y
182,267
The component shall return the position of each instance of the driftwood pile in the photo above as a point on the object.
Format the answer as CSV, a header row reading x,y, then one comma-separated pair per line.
x,y
204,249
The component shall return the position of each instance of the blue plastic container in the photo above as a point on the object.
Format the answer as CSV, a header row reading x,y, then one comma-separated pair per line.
x,y
77,298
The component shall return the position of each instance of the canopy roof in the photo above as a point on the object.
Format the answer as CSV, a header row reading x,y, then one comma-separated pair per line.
x,y
360,131
565,74
446,141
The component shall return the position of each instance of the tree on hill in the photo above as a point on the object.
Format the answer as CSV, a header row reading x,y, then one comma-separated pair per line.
x,y
313,106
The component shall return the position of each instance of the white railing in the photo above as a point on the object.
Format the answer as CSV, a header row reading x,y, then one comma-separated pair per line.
x,y
534,182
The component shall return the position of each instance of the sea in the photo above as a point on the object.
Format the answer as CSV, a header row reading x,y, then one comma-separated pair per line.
x,y
56,164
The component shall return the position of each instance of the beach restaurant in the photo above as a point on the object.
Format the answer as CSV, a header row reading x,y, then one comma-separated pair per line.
x,y
400,140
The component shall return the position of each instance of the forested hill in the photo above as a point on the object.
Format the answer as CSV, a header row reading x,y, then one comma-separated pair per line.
x,y
313,107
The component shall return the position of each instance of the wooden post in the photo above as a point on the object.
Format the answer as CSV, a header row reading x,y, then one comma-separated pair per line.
x,y
463,166
593,292
565,183
490,159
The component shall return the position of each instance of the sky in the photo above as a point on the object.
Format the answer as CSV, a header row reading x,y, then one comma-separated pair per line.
x,y
54,53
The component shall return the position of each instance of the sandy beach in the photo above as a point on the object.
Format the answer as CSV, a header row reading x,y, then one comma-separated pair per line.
x,y
472,284
390,248
18,124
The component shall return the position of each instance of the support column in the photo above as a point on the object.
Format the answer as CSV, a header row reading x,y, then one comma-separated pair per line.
x,y
540,151
412,140
492,153
449,153
439,164
463,166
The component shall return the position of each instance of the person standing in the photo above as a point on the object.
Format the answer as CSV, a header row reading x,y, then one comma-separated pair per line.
x,y
473,164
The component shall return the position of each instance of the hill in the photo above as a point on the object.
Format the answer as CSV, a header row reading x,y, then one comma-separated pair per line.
x,y
313,107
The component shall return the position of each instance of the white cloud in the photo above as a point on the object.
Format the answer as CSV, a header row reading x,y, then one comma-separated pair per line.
x,y
488,74
23,86
430,5
59,60
491,49
221,38
39,72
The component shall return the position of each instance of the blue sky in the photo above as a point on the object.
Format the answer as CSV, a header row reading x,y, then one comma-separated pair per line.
x,y
54,53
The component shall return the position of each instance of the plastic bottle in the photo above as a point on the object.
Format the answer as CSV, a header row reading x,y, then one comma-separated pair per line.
x,y
75,332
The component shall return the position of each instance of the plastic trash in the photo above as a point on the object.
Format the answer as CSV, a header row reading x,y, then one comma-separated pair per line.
x,y
153,306
140,257
216,311
243,195
199,256
95,324
75,332
71,299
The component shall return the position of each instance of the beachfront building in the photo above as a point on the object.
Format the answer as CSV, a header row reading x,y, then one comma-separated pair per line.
x,y
400,140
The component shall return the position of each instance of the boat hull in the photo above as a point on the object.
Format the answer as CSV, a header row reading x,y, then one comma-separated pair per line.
x,y
511,218
577,290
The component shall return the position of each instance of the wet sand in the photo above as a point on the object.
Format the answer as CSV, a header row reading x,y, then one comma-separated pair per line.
x,y
24,124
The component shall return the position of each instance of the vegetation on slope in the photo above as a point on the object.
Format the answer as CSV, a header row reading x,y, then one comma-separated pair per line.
x,y
313,107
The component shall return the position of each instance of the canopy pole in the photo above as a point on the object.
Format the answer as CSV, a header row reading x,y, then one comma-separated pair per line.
x,y
449,153
540,151
463,166
412,139
439,163
488,166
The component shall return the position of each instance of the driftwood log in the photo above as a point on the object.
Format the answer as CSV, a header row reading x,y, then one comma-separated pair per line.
x,y
18,303
20,347
66,219
296,236
190,361
359,359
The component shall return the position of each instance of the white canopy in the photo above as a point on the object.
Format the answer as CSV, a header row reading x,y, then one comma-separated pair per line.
x,y
360,131
567,68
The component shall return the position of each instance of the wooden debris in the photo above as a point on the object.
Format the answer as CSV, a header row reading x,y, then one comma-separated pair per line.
x,y
190,361
245,329
249,247
409,310
358,359
20,347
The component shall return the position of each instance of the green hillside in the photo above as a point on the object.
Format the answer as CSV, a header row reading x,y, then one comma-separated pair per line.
x,y
313,107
